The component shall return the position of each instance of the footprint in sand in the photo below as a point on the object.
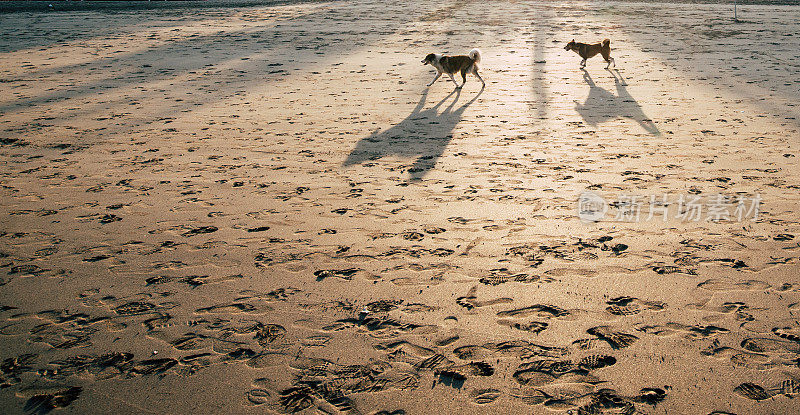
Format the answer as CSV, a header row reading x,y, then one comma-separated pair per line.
x,y
406,351
418,308
605,401
771,345
536,310
627,306
716,284
484,396
529,396
455,375
259,396
268,333
192,363
234,308
345,274
516,348
200,230
297,398
105,366
788,332
746,359
567,272
135,308
736,308
471,301
45,401
152,366
534,327
413,236
198,280
689,332
315,341
672,269
616,339
502,275
382,306
788,387
433,362
787,328
752,391
541,372
446,340
380,327
324,383
14,367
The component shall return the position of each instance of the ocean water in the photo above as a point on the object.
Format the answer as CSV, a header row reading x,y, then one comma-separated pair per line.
x,y
54,5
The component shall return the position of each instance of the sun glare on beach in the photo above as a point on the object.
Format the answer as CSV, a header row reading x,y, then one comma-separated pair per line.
x,y
412,207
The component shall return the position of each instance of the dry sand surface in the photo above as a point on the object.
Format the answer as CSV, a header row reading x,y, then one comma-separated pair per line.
x,y
263,209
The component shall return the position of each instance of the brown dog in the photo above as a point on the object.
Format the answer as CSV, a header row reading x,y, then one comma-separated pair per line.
x,y
586,51
454,64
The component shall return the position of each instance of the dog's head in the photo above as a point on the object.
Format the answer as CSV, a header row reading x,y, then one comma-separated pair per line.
x,y
570,45
429,59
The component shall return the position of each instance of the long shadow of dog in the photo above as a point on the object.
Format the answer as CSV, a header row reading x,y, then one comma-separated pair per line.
x,y
601,105
423,134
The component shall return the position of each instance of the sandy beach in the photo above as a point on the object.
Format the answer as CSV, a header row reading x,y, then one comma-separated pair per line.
x,y
263,209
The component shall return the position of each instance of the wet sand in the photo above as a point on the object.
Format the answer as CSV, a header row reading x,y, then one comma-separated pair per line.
x,y
264,209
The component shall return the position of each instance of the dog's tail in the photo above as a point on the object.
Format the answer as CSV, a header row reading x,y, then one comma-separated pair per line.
x,y
475,55
606,42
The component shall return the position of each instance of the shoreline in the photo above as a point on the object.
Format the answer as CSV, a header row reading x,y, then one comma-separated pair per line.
x,y
22,6
264,209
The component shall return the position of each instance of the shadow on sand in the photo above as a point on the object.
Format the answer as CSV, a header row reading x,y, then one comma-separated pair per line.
x,y
601,105
423,134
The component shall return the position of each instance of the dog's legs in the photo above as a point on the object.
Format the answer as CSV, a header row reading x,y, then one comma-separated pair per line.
x,y
464,76
438,74
583,63
606,52
475,72
454,80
